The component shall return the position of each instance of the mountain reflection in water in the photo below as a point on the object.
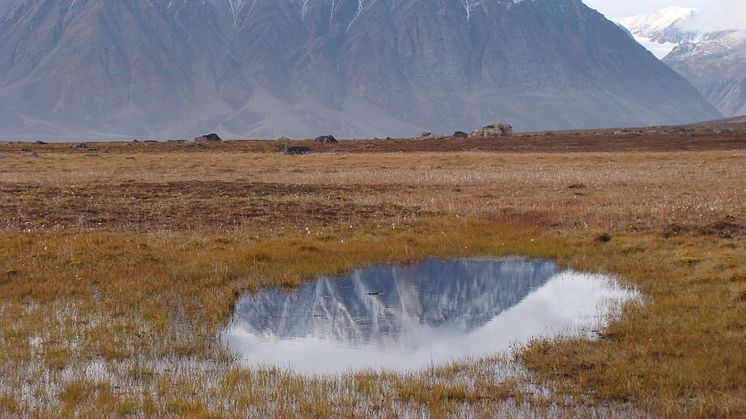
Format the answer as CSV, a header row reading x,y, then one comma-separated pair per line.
x,y
396,317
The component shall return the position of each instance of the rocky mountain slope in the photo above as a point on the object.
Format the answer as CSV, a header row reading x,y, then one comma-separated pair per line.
x,y
714,62
354,68
716,65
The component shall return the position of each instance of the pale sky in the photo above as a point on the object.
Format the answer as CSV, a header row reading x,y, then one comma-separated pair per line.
x,y
624,8
716,14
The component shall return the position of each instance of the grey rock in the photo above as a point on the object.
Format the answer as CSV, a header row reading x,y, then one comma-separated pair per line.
x,y
460,134
326,139
297,150
627,132
491,131
208,138
79,145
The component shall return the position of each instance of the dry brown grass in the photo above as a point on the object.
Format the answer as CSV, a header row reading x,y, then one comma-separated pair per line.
x,y
121,316
629,191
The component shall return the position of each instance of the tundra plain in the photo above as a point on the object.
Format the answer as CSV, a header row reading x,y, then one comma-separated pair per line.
x,y
120,264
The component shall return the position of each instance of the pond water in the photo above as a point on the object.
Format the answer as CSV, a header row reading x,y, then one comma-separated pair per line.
x,y
404,318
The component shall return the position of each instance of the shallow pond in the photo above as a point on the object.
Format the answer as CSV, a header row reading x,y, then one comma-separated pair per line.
x,y
404,318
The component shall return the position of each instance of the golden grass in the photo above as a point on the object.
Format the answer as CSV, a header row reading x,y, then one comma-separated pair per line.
x,y
123,319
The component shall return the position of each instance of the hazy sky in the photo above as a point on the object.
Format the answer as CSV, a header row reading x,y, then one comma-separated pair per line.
x,y
624,8
716,14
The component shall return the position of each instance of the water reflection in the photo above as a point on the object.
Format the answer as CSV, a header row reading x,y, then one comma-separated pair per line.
x,y
395,317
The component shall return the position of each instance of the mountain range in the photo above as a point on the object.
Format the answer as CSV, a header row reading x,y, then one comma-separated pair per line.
x,y
714,62
72,69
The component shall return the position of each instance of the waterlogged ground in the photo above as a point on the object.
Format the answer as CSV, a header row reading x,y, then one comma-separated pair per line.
x,y
122,267
407,318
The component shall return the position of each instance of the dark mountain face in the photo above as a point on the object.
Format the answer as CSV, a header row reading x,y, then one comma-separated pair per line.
x,y
264,68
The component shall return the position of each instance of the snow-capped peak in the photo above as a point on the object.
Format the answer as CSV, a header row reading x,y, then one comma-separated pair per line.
x,y
660,31
661,20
